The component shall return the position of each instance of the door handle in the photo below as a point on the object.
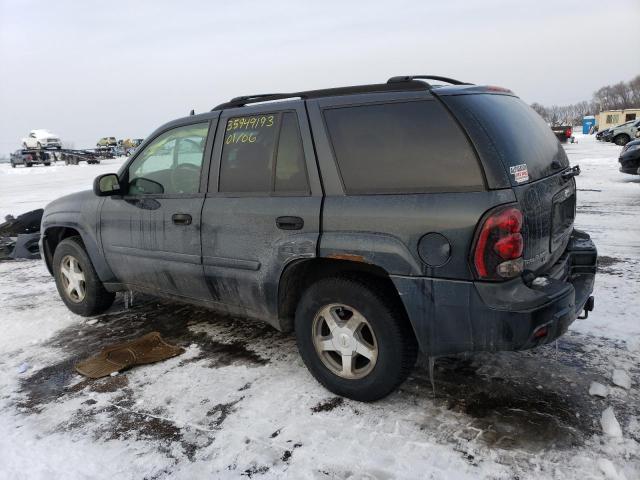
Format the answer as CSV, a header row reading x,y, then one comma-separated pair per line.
x,y
289,223
181,218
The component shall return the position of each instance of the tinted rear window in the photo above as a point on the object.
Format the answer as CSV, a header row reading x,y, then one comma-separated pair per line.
x,y
408,147
504,126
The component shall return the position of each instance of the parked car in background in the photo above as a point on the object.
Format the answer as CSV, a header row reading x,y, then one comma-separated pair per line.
x,y
562,132
630,158
601,134
41,138
107,142
130,142
127,146
30,158
373,221
623,134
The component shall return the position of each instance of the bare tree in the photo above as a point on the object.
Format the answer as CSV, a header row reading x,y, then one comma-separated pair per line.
x,y
541,110
620,96
634,91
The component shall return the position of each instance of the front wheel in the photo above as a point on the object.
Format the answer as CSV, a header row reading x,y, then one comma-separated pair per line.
x,y
78,284
354,338
622,139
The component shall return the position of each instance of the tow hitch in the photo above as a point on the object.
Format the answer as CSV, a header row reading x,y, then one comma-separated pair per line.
x,y
588,307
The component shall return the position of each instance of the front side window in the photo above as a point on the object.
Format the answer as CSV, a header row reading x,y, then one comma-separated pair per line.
x,y
263,154
171,163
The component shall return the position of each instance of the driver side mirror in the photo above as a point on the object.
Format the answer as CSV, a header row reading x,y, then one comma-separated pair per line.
x,y
107,185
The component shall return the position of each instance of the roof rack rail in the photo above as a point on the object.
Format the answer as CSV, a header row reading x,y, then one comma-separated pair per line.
x,y
247,99
397,85
409,78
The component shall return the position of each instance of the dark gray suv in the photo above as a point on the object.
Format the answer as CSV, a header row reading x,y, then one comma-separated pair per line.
x,y
373,220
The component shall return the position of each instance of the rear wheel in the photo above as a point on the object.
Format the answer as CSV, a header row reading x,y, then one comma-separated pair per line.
x,y
78,284
354,339
622,139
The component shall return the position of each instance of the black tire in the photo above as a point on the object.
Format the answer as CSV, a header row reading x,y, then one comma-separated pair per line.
x,y
96,299
46,164
396,343
622,139
28,164
13,165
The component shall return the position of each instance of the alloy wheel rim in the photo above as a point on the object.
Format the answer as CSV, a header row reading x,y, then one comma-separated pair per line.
x,y
345,341
73,279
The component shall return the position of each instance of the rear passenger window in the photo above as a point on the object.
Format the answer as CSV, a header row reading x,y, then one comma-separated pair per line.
x,y
263,154
408,147
248,153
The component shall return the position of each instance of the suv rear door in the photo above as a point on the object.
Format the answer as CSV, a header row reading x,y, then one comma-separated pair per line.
x,y
508,134
262,209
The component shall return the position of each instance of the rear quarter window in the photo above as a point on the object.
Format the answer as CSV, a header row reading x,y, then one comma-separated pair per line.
x,y
506,129
404,147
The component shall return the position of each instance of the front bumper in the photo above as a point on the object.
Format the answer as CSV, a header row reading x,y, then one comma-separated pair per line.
x,y
450,316
630,163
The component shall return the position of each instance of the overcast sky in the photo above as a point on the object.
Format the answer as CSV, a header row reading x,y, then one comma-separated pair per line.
x,y
87,69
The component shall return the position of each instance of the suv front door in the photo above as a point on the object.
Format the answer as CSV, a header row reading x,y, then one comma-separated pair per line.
x,y
151,234
262,211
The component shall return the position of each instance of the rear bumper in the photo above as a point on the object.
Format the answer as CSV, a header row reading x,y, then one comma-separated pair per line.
x,y
451,316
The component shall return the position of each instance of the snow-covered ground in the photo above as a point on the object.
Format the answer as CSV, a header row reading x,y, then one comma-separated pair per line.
x,y
240,404
23,189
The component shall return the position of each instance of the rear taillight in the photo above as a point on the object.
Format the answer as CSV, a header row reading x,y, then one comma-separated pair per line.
x,y
497,251
568,132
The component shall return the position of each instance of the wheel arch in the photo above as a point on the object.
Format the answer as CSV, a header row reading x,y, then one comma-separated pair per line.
x,y
51,238
52,235
300,274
